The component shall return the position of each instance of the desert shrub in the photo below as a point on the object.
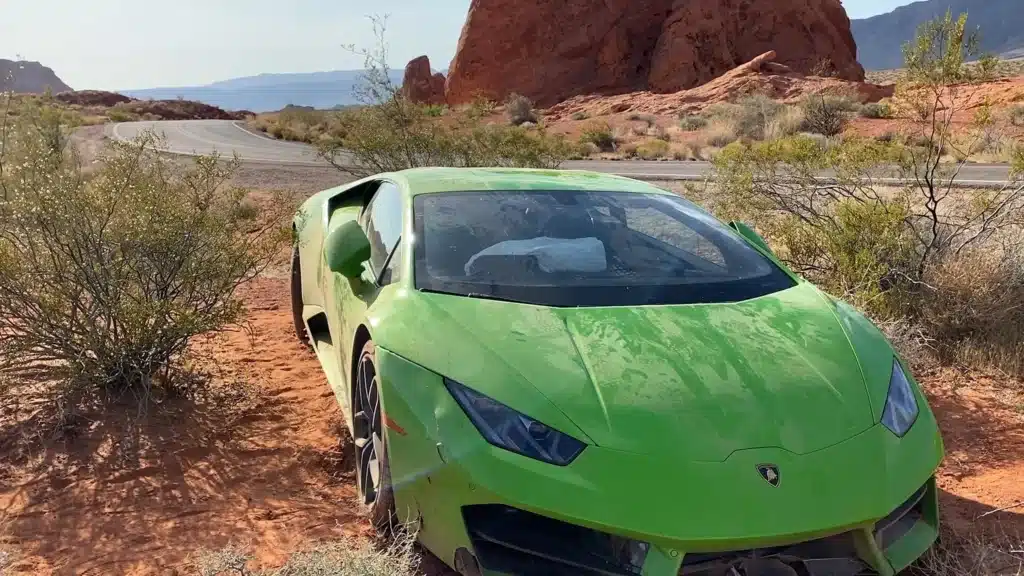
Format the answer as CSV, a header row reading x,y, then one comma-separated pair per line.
x,y
787,122
345,558
435,110
388,133
630,150
826,114
972,308
692,122
580,116
645,118
876,110
1017,115
658,132
720,133
480,107
753,115
888,137
105,279
119,114
652,149
599,134
519,110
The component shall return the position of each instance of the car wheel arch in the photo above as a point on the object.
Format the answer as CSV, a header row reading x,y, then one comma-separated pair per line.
x,y
362,336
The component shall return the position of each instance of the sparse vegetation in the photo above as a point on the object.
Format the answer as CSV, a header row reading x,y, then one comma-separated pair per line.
x,y
948,261
519,110
721,132
692,122
578,116
876,110
827,115
345,558
599,134
105,279
389,133
1017,115
652,149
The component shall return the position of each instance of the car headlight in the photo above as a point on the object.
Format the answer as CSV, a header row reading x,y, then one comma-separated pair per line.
x,y
901,407
505,428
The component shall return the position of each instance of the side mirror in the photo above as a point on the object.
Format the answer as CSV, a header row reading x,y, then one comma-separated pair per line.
x,y
747,232
346,248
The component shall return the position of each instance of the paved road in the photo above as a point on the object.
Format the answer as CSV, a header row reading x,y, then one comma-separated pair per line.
x,y
227,137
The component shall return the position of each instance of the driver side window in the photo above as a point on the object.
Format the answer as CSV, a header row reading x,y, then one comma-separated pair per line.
x,y
383,223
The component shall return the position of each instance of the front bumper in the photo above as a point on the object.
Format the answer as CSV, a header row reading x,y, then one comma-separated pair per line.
x,y
451,480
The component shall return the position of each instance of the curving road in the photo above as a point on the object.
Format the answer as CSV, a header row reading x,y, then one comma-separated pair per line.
x,y
191,137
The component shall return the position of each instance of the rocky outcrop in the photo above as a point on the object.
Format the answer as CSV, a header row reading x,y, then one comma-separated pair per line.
x,y
550,51
93,98
762,75
420,84
26,77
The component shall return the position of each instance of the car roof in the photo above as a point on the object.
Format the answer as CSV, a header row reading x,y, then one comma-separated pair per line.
x,y
436,180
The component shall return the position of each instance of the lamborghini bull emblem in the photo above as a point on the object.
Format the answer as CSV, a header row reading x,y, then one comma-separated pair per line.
x,y
770,473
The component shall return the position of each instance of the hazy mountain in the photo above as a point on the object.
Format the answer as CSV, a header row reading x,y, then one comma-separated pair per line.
x,y
269,92
29,77
880,38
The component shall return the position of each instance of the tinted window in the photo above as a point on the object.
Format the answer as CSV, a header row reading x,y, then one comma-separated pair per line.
x,y
383,222
568,248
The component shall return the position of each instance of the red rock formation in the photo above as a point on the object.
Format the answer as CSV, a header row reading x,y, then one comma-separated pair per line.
x,y
420,85
761,75
550,51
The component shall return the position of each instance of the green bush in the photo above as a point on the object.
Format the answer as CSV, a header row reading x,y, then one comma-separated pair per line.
x,y
580,116
397,135
106,279
877,110
652,149
599,134
692,122
435,110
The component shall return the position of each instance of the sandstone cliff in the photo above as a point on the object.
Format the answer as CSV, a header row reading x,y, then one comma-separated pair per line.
x,y
550,51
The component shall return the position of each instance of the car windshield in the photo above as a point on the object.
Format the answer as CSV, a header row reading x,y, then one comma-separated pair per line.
x,y
577,248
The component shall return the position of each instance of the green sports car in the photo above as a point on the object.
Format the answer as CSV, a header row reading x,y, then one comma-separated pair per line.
x,y
550,372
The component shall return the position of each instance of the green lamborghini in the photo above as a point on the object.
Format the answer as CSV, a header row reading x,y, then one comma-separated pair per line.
x,y
550,372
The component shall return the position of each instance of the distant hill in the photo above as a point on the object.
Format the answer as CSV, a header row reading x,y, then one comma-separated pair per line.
x,y
29,78
880,38
270,92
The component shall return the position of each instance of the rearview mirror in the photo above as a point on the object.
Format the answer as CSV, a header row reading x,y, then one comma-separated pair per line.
x,y
747,232
346,248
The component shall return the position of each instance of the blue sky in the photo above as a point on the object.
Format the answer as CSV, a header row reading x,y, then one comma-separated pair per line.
x,y
122,44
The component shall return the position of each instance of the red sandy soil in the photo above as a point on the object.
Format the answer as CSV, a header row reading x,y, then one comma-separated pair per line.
x,y
268,467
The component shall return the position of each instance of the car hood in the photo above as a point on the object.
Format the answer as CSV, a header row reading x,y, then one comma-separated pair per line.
x,y
693,381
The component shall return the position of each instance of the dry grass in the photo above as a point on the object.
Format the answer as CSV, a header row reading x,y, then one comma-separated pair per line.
x,y
345,558
652,149
721,132
975,554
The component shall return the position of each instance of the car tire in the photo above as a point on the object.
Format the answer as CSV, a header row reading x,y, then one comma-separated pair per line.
x,y
370,443
296,290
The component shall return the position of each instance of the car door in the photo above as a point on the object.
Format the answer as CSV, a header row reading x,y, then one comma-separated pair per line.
x,y
382,220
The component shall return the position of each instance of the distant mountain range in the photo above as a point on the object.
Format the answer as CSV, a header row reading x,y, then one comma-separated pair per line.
x,y
269,92
880,38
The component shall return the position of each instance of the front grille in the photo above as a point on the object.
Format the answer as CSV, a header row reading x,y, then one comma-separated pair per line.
x,y
514,541
833,556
